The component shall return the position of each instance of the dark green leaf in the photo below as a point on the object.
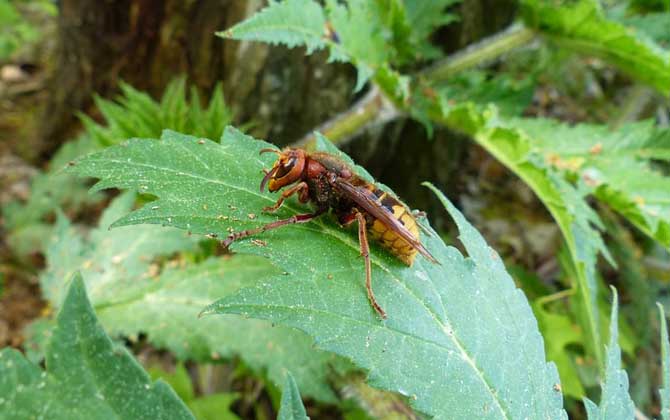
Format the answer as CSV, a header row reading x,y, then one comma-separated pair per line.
x,y
424,17
365,33
291,22
87,375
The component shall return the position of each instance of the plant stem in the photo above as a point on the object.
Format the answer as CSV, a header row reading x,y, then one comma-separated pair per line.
x,y
479,53
375,108
555,296
372,108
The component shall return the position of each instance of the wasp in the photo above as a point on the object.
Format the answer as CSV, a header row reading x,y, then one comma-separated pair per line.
x,y
330,184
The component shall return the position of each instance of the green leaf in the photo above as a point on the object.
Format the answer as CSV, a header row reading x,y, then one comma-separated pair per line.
x,y
291,403
291,22
615,402
581,27
361,34
559,333
511,95
15,30
133,114
460,339
136,114
87,375
664,392
654,25
615,164
364,33
207,407
633,278
49,191
513,148
424,17
131,295
111,261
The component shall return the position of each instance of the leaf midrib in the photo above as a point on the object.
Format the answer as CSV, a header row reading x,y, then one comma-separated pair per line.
x,y
320,343
329,231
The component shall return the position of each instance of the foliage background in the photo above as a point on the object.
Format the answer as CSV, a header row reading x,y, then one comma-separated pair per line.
x,y
551,136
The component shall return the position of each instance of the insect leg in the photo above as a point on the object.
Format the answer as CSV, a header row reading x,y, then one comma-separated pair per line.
x,y
365,252
300,187
296,218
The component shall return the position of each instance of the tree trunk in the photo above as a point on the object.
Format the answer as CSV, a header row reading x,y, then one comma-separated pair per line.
x,y
148,42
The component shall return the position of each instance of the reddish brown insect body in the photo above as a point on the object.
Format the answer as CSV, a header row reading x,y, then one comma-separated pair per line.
x,y
330,184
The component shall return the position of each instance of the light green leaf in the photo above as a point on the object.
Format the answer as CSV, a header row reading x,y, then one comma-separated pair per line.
x,y
615,402
359,31
131,296
581,27
291,22
615,164
460,339
87,375
291,403
513,148
111,261
664,392
361,34
559,333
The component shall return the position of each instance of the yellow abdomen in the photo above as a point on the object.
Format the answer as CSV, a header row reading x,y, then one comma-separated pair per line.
x,y
390,239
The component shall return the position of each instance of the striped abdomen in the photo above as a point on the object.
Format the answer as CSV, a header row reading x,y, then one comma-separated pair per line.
x,y
385,235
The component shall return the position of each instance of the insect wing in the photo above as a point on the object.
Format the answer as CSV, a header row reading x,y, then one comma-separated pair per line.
x,y
368,202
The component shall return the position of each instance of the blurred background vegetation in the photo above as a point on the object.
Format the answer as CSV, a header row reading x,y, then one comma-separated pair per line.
x,y
80,75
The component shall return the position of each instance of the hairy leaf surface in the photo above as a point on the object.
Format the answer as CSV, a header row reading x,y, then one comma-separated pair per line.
x,y
87,375
291,403
460,339
131,295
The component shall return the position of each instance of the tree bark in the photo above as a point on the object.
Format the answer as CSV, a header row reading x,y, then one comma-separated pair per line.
x,y
148,42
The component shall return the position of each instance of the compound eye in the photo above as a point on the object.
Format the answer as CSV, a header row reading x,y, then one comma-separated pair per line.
x,y
285,168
